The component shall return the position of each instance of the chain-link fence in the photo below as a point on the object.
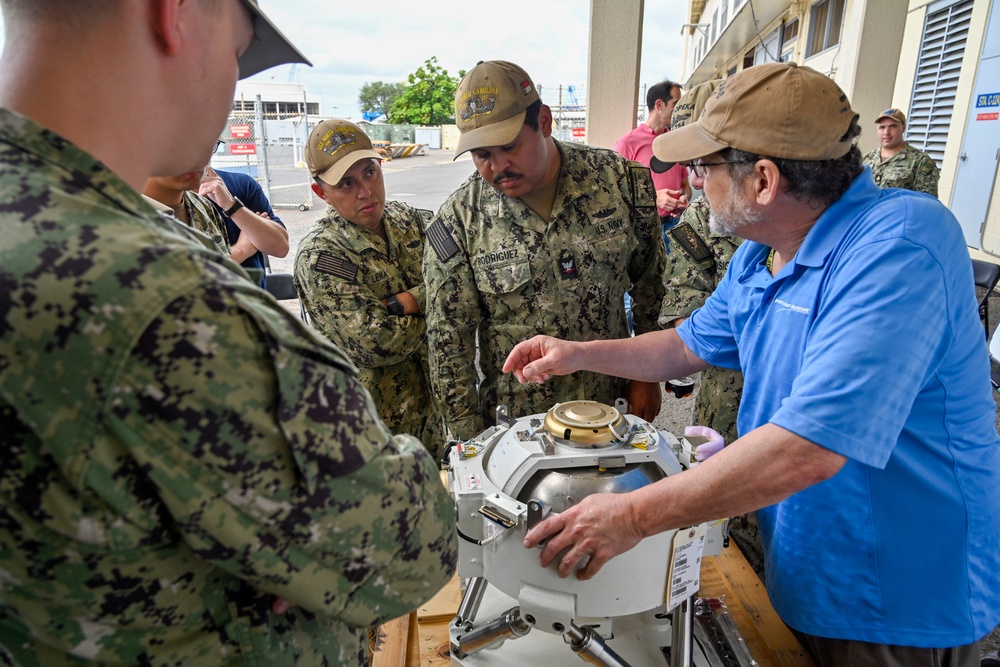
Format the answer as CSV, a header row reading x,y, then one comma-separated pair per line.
x,y
569,111
268,144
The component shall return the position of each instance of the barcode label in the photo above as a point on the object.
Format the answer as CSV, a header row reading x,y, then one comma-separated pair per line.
x,y
685,564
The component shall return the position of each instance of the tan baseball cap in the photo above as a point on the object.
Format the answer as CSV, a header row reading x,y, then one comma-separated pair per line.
x,y
334,147
780,110
269,47
895,114
689,108
490,103
692,103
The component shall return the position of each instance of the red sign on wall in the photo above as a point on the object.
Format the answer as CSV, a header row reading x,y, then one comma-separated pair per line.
x,y
239,131
988,116
579,131
242,149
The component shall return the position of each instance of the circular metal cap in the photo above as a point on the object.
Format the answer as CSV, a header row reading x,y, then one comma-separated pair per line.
x,y
583,422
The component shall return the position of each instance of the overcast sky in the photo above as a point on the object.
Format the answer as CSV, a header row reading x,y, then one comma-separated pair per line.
x,y
350,44
392,38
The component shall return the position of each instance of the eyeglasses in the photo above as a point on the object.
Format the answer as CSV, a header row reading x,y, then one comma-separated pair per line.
x,y
699,168
219,143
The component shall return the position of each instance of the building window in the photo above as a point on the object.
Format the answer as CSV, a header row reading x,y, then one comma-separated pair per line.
x,y
715,22
935,85
825,21
789,33
789,36
725,13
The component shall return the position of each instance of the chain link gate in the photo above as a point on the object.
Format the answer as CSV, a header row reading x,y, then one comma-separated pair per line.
x,y
268,145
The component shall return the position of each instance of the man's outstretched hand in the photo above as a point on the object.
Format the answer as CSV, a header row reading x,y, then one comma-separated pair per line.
x,y
538,359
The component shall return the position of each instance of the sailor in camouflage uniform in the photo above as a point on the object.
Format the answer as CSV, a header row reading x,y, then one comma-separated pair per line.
x,y
175,195
178,450
897,164
358,274
545,238
693,272
692,275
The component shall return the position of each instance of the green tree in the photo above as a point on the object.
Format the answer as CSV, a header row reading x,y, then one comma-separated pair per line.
x,y
378,97
429,97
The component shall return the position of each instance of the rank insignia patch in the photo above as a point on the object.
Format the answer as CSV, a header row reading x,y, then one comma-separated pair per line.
x,y
567,267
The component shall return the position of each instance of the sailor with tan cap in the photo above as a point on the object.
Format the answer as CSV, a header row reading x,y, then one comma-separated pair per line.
x,y
867,444
897,164
189,475
359,276
544,237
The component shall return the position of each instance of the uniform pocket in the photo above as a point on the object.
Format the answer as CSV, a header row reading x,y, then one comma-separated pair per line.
x,y
611,240
503,278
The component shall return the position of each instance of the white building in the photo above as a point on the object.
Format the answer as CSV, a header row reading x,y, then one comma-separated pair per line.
x,y
938,60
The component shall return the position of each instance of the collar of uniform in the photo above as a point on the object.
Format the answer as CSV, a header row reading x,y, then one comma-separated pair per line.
x,y
572,175
572,171
160,207
63,155
901,155
831,225
875,157
357,238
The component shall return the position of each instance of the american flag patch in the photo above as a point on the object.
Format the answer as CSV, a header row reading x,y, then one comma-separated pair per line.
x,y
329,263
444,246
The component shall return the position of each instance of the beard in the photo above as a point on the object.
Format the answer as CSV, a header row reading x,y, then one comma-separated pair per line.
x,y
735,212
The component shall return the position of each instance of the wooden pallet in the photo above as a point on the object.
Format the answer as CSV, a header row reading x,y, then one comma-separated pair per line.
x,y
421,638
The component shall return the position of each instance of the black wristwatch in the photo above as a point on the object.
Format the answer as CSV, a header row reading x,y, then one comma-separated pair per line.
x,y
237,205
394,306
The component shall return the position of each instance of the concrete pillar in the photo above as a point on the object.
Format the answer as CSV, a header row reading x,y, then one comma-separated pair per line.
x,y
613,69
868,73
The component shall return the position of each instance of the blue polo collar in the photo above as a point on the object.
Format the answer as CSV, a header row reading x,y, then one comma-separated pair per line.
x,y
830,227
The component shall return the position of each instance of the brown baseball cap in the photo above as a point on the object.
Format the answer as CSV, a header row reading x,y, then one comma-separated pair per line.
x,y
490,103
895,114
269,46
780,110
334,147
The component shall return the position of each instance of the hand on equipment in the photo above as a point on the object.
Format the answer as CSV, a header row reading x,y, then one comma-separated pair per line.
x,y
597,529
714,444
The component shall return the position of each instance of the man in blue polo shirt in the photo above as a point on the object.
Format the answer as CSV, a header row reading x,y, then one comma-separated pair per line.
x,y
868,447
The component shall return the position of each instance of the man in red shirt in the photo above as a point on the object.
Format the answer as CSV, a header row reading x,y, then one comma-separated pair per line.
x,y
672,188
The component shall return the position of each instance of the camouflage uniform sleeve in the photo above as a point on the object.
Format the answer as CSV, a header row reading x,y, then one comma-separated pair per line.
x,y
272,461
453,315
219,224
421,218
419,292
871,159
206,218
646,266
347,312
926,175
687,278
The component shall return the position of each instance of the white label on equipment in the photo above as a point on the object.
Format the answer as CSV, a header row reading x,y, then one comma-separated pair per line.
x,y
472,482
684,577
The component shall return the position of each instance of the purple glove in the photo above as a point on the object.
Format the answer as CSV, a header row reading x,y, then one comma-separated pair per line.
x,y
714,445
